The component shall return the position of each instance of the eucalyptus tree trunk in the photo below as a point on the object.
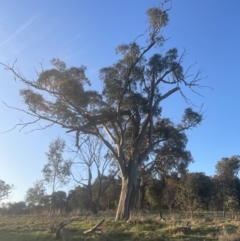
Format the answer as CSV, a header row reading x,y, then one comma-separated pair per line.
x,y
128,192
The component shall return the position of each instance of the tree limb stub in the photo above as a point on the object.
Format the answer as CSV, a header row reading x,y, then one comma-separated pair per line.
x,y
61,226
94,227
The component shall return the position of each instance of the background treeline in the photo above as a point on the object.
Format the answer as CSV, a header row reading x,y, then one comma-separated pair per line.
x,y
187,192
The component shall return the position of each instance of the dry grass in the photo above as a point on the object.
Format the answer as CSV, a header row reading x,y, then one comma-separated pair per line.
x,y
142,227
229,235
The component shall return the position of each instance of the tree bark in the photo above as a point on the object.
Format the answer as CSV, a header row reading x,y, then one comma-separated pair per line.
x,y
128,193
142,192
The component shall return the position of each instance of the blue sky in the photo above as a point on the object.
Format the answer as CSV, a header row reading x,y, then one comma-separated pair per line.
x,y
87,32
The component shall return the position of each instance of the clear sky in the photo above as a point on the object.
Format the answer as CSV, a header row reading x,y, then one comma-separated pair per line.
x,y
87,32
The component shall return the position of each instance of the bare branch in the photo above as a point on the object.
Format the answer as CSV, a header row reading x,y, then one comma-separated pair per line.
x,y
94,227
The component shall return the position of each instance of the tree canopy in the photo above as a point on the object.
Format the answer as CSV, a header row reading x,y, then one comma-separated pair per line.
x,y
5,189
126,115
228,168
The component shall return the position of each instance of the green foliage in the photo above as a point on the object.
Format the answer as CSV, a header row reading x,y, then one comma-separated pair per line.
x,y
57,170
226,193
226,184
58,200
112,188
16,208
5,189
154,192
157,17
194,192
171,155
125,116
228,168
169,191
36,193
78,198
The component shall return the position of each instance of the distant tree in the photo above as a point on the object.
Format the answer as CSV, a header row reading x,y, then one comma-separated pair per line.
x,y
3,208
13,208
126,116
227,184
92,159
17,208
36,193
226,195
110,191
169,159
228,168
194,192
78,200
35,196
170,189
57,171
154,193
73,201
58,200
5,190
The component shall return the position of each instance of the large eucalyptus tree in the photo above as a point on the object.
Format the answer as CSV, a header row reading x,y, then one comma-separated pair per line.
x,y
126,116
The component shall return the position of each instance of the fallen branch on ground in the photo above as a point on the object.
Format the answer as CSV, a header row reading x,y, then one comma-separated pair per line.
x,y
60,228
94,228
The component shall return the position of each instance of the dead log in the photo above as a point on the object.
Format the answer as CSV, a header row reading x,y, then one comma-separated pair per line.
x,y
60,228
94,227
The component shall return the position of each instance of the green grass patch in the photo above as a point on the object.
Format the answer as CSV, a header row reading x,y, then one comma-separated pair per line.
x,y
203,227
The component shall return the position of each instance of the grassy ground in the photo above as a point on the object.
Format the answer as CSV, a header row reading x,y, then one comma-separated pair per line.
x,y
143,227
